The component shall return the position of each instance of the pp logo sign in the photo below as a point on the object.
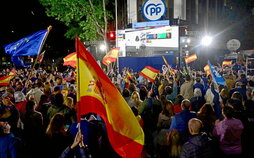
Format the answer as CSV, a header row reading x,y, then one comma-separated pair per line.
x,y
153,9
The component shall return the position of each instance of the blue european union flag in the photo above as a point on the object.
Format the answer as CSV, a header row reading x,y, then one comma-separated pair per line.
x,y
17,61
27,46
216,76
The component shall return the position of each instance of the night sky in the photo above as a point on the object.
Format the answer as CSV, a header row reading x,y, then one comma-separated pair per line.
x,y
22,18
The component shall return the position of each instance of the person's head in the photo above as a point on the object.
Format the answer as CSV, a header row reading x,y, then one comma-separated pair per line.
x,y
237,95
206,110
187,78
168,90
132,87
135,96
223,93
194,126
5,128
6,99
243,76
175,140
198,79
57,89
164,82
197,92
186,104
30,106
56,124
59,99
68,101
238,84
179,99
236,104
59,80
126,92
228,112
168,108
39,85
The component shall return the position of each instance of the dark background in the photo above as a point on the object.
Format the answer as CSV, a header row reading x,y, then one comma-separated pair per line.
x,y
22,18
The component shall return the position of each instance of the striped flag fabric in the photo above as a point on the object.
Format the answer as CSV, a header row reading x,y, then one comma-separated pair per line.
x,y
97,94
149,73
191,58
225,63
41,56
5,80
111,56
207,69
12,72
70,60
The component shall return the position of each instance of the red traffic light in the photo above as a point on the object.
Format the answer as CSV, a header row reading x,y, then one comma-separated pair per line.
x,y
111,35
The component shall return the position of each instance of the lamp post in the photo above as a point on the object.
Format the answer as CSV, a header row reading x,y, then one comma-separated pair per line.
x,y
206,40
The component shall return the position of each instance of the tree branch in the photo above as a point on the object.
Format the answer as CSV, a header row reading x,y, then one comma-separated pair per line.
x,y
94,19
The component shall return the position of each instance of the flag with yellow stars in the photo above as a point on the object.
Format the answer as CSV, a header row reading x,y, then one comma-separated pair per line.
x,y
27,46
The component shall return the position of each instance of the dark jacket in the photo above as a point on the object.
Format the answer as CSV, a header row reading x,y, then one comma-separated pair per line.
x,y
78,153
9,146
198,146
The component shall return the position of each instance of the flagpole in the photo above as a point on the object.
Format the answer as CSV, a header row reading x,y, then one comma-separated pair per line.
x,y
43,42
77,77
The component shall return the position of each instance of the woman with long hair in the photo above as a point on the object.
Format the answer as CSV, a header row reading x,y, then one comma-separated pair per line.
x,y
207,115
58,137
136,99
33,129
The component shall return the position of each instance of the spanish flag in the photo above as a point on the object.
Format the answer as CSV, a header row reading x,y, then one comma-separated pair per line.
x,y
12,72
70,60
111,56
149,73
4,81
207,69
191,58
97,94
226,63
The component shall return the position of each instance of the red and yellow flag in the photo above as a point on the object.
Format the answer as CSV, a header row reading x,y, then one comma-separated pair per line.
x,y
191,58
12,72
207,69
149,73
5,81
97,94
70,60
41,56
226,63
111,56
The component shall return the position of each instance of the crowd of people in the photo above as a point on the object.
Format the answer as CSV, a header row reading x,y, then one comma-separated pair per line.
x,y
183,114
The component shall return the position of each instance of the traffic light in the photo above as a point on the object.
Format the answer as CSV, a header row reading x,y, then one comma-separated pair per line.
x,y
111,35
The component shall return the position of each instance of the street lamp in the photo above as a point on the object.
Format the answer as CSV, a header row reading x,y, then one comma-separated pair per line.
x,y
206,40
102,47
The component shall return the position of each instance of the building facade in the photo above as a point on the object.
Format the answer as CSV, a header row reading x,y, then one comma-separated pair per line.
x,y
186,19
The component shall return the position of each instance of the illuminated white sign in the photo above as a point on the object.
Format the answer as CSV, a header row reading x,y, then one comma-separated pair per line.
x,y
166,36
153,9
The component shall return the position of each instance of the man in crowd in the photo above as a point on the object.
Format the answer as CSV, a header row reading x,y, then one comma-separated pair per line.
x,y
9,144
199,145
180,121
